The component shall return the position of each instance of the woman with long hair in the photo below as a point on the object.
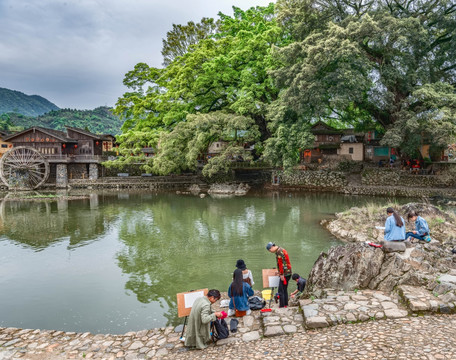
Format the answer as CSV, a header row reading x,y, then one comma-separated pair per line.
x,y
239,292
394,226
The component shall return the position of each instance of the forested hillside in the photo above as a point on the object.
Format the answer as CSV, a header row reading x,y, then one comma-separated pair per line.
x,y
100,120
18,102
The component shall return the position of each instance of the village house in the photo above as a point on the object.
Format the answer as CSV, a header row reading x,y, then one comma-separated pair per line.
x,y
327,142
72,154
351,146
4,145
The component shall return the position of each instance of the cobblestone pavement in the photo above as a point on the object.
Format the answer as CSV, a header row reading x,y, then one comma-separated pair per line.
x,y
425,337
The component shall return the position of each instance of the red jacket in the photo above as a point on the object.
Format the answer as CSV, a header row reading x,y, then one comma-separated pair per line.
x,y
283,262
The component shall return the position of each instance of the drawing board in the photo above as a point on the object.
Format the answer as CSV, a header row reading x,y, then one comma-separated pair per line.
x,y
270,278
185,301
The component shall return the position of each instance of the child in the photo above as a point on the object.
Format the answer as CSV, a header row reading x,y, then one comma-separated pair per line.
x,y
421,231
300,285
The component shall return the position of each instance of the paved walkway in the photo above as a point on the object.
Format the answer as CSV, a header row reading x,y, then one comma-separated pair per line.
x,y
427,337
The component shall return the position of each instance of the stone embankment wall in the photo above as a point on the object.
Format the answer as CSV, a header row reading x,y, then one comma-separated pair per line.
x,y
372,182
138,182
382,177
320,179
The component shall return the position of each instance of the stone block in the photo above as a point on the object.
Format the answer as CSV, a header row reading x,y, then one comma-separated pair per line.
x,y
251,336
304,302
395,313
228,340
351,306
290,329
389,305
248,320
448,278
417,305
273,331
394,246
316,322
310,310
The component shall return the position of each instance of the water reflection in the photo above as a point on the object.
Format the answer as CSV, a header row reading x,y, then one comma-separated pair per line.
x,y
179,244
40,222
113,262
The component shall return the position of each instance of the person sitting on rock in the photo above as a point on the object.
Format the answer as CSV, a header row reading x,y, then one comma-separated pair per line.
x,y
198,332
239,292
300,285
394,226
246,273
421,231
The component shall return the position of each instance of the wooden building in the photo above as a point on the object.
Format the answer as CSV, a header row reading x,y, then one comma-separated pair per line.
x,y
72,154
4,145
57,146
327,142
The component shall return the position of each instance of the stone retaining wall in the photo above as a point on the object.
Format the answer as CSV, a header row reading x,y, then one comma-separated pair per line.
x,y
320,179
384,177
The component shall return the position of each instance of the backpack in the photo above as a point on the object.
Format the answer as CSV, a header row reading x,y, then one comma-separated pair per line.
x,y
256,303
219,330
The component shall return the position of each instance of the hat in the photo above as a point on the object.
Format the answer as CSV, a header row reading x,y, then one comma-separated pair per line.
x,y
240,264
269,245
390,210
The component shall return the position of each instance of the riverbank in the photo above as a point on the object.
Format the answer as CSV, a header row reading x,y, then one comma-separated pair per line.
x,y
338,326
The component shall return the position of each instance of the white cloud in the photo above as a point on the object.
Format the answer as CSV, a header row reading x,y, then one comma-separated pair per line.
x,y
76,52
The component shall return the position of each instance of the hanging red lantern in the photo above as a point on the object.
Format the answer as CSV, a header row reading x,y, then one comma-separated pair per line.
x,y
97,143
75,146
64,146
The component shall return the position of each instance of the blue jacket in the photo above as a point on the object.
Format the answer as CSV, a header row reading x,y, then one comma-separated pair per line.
x,y
392,231
421,226
242,301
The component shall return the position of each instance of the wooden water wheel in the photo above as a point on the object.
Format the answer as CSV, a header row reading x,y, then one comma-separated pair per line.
x,y
23,168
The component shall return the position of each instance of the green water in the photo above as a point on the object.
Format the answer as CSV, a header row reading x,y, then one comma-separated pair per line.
x,y
114,262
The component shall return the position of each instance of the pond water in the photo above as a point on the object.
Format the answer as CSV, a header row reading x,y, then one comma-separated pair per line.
x,y
114,262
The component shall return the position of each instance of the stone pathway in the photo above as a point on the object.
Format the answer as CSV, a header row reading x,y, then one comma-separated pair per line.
x,y
342,307
294,326
416,338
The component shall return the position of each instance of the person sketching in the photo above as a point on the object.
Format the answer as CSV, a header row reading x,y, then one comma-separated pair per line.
x,y
394,226
239,292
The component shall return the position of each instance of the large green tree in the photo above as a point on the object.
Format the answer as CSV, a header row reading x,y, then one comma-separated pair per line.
x,y
370,63
227,72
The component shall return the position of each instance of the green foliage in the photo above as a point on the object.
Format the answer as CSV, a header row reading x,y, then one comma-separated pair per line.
x,y
18,102
99,121
371,63
428,118
181,148
227,71
180,39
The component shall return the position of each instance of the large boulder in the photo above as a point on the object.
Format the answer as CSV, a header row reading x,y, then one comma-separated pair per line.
x,y
360,266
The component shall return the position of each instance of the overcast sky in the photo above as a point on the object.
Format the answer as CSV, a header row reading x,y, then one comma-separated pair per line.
x,y
75,53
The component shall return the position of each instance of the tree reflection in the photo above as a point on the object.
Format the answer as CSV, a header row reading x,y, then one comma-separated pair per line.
x,y
175,244
39,224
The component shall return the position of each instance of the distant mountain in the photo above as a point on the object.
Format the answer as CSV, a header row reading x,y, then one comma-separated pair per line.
x,y
99,121
18,102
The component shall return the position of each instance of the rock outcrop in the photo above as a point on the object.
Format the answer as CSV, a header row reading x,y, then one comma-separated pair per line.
x,y
358,224
360,266
229,189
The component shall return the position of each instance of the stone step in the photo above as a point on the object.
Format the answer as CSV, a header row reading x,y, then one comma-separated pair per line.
x,y
281,321
420,300
340,307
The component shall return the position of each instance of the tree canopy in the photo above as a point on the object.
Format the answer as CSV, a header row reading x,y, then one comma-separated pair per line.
x,y
371,63
388,65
